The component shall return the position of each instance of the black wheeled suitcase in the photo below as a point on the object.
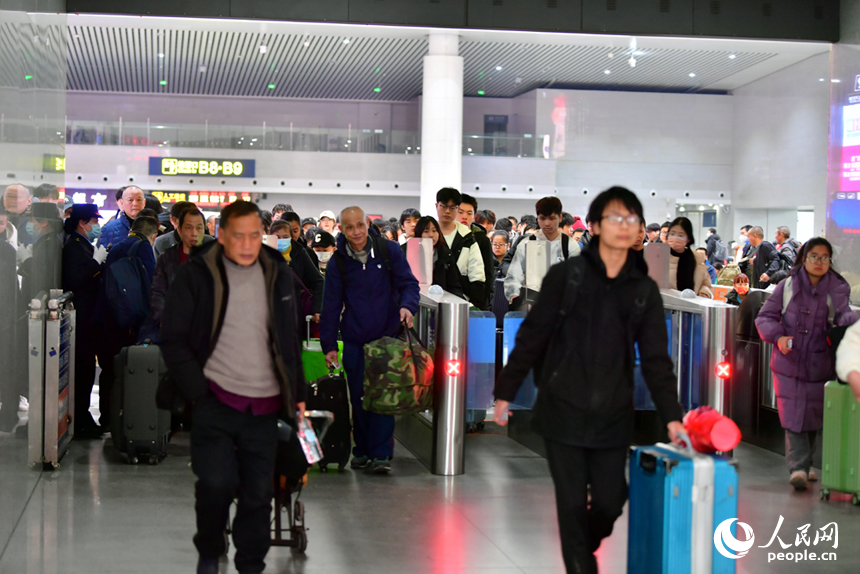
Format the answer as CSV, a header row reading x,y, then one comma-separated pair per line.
x,y
138,427
329,393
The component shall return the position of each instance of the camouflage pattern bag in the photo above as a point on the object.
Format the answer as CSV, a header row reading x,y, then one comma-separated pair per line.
x,y
398,376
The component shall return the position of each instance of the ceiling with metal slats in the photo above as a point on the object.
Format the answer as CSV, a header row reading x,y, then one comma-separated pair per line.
x,y
347,62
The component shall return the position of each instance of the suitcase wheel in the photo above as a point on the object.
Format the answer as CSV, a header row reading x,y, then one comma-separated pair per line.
x,y
323,468
855,500
341,466
301,539
153,459
824,494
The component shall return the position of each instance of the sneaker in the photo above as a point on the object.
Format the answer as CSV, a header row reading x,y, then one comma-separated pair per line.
x,y
207,566
23,405
798,480
359,462
812,477
381,465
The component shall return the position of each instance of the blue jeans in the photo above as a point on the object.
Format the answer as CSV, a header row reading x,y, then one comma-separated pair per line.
x,y
373,433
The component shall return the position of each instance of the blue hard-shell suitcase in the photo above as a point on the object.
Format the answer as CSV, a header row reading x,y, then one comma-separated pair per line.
x,y
677,499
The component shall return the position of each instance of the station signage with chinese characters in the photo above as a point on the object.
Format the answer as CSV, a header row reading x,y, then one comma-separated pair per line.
x,y
203,199
180,166
53,163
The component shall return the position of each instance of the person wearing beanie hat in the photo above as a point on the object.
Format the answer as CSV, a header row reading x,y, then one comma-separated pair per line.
x,y
324,245
577,229
307,223
82,268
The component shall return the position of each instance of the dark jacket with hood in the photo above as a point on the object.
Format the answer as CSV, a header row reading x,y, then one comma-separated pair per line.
x,y
711,248
586,383
194,314
366,303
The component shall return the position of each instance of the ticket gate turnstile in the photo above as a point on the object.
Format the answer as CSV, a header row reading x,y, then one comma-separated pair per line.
x,y
51,349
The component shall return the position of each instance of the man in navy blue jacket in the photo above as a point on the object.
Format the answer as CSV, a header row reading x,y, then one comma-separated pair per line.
x,y
376,294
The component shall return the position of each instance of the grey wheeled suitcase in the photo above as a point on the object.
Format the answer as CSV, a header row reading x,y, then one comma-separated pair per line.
x,y
138,427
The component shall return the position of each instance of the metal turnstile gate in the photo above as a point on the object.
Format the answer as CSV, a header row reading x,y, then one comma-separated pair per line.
x,y
51,358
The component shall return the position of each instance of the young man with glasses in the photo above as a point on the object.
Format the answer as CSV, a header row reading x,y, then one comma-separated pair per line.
x,y
464,249
584,410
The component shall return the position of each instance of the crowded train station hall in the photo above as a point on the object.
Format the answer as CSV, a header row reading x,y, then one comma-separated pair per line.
x,y
429,286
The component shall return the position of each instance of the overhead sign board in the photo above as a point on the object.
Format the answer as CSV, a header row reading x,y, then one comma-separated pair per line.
x,y
201,166
203,199
53,163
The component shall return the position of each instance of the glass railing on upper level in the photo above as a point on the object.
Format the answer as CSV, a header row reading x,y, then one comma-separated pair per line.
x,y
256,138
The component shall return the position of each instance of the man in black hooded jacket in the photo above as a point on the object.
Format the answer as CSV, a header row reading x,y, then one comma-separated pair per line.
x,y
584,409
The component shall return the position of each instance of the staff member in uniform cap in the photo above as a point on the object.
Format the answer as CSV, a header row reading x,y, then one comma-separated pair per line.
x,y
327,222
82,268
324,246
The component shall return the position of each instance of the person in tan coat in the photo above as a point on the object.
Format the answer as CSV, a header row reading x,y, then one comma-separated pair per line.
x,y
686,267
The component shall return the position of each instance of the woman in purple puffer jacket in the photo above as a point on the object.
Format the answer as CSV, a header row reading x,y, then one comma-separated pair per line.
x,y
796,323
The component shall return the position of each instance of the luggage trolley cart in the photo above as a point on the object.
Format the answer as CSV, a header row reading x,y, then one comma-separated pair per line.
x,y
51,344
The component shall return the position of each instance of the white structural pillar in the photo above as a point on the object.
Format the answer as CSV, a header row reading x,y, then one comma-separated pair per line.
x,y
441,119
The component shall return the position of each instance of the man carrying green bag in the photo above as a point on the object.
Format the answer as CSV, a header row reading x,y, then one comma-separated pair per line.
x,y
369,292
398,376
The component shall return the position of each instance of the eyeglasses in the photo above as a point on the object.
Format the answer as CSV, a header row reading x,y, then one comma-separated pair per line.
x,y
631,220
499,244
448,208
678,236
816,258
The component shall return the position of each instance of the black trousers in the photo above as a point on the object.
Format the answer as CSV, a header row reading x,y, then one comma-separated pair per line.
x,y
582,526
233,455
85,377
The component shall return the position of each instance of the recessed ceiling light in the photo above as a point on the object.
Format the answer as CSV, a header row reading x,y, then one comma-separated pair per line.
x,y
638,53
607,71
346,40
835,81
692,75
732,56
632,62
161,55
610,55
820,79
498,68
306,44
202,69
263,49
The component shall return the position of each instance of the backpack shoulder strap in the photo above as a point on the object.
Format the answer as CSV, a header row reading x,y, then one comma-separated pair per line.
x,y
133,251
831,310
340,262
565,244
382,244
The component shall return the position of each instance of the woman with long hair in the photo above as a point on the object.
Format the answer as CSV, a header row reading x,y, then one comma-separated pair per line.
x,y
795,320
686,267
445,273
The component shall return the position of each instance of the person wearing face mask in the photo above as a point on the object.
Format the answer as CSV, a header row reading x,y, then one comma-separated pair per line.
x,y
113,337
445,273
42,271
741,288
742,246
686,267
309,283
82,272
796,320
323,245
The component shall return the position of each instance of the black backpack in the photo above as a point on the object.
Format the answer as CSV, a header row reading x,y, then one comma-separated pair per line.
x,y
127,287
377,243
